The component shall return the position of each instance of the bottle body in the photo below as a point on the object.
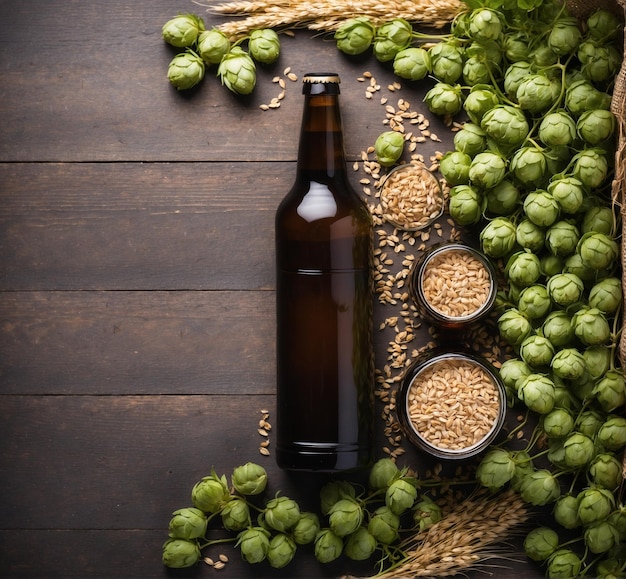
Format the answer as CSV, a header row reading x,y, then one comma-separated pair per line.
x,y
325,370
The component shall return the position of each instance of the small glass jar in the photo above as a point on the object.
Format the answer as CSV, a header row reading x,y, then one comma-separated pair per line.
x,y
453,285
451,404
411,197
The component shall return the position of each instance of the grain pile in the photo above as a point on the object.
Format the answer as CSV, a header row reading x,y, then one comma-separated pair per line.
x,y
456,283
453,404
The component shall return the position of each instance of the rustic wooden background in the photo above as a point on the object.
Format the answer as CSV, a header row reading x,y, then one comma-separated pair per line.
x,y
136,280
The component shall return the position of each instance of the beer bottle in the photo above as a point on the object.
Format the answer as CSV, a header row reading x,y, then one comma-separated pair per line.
x,y
325,366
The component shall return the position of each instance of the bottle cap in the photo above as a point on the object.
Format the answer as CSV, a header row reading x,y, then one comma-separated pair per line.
x,y
321,83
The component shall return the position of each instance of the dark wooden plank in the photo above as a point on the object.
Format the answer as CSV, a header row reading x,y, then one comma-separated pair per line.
x,y
137,342
139,226
93,496
81,82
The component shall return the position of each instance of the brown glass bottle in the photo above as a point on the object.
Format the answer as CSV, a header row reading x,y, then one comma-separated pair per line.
x,y
325,373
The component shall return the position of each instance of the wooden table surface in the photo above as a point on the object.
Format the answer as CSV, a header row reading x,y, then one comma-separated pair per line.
x,y
137,281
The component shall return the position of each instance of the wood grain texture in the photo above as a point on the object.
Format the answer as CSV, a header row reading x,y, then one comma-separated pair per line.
x,y
136,281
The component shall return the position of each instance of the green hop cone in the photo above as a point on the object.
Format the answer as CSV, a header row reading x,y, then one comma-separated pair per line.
x,y
465,204
180,553
529,165
557,129
618,519
389,147
513,371
557,423
541,208
612,433
236,515
557,327
594,505
581,96
487,169
254,544
185,70
605,471
497,238
412,63
480,101
328,546
537,351
484,24
534,303
503,198
566,511
537,392
591,326
213,45
590,166
383,472
237,71
610,390
569,364
426,513
598,359
562,238
360,545
603,25
589,422
540,488
282,514
529,235
392,37
495,469
183,30
514,327
264,45
345,517
355,36
606,295
454,166
249,479
400,496
565,289
281,551
447,61
564,563
534,94
568,192
596,126
384,525
601,537
333,492
471,140
444,99
541,543
506,125
188,523
306,528
599,219
578,450
598,250
523,268
211,493
565,36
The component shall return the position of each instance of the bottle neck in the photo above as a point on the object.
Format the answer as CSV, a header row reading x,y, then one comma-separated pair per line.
x,y
321,151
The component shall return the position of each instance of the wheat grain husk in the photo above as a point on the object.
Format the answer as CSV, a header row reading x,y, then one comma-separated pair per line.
x,y
467,537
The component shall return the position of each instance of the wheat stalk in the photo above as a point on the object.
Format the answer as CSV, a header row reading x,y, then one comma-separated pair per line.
x,y
328,15
465,537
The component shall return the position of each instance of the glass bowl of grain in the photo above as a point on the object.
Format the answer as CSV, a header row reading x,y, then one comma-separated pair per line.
x,y
453,285
411,197
451,404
